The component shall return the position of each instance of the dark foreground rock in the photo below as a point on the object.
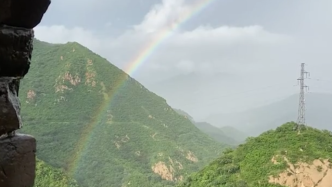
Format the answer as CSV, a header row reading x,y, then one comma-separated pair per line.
x,y
10,119
16,45
15,55
17,163
22,13
17,152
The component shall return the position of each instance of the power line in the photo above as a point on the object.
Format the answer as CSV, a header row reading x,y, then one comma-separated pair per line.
x,y
301,109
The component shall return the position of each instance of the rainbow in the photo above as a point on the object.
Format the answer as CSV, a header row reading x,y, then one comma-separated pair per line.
x,y
132,66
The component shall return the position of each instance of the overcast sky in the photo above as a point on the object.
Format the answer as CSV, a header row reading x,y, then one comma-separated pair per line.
x,y
262,42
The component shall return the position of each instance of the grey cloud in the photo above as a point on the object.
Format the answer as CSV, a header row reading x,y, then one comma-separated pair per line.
x,y
98,14
280,35
283,16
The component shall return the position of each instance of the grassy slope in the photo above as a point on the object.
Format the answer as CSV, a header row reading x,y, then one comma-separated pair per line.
x,y
60,97
250,164
48,176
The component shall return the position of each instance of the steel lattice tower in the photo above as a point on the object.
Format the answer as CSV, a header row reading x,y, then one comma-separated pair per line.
x,y
303,87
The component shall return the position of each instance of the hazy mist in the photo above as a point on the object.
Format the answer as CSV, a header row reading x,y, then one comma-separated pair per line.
x,y
232,56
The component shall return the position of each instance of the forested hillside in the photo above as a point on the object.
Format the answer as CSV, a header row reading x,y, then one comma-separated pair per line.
x,y
280,157
103,127
48,176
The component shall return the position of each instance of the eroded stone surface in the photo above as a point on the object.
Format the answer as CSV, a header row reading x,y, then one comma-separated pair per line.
x,y
15,51
22,13
315,174
17,161
10,119
17,152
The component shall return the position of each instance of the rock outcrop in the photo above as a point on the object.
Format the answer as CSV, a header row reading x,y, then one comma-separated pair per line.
x,y
17,160
17,152
22,13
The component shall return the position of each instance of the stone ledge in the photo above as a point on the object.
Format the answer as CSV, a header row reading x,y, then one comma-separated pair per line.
x,y
22,13
10,119
15,51
17,161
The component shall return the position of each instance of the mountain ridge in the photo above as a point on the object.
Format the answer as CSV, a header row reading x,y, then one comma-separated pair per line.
x,y
263,118
214,132
279,157
138,138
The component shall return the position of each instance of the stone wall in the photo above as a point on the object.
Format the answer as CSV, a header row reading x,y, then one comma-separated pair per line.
x,y
17,151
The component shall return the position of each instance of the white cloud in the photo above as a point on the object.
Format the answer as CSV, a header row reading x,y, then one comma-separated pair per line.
x,y
236,57
163,16
61,34
204,48
228,35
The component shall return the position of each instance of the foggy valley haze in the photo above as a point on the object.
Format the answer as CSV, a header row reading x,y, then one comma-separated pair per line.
x,y
230,57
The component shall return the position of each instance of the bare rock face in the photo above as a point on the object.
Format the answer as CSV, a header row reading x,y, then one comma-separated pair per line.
x,y
22,13
17,161
315,174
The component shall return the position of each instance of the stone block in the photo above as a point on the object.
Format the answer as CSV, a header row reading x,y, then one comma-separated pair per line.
x,y
16,45
17,161
10,119
22,13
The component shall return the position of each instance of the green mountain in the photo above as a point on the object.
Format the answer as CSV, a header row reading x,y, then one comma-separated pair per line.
x,y
48,176
280,157
185,114
258,120
103,127
214,132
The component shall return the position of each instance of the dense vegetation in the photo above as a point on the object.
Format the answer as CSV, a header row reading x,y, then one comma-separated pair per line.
x,y
101,134
250,164
48,176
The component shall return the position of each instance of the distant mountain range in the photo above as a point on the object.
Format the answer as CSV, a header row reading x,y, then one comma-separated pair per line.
x,y
234,133
201,94
193,92
218,134
260,119
227,135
